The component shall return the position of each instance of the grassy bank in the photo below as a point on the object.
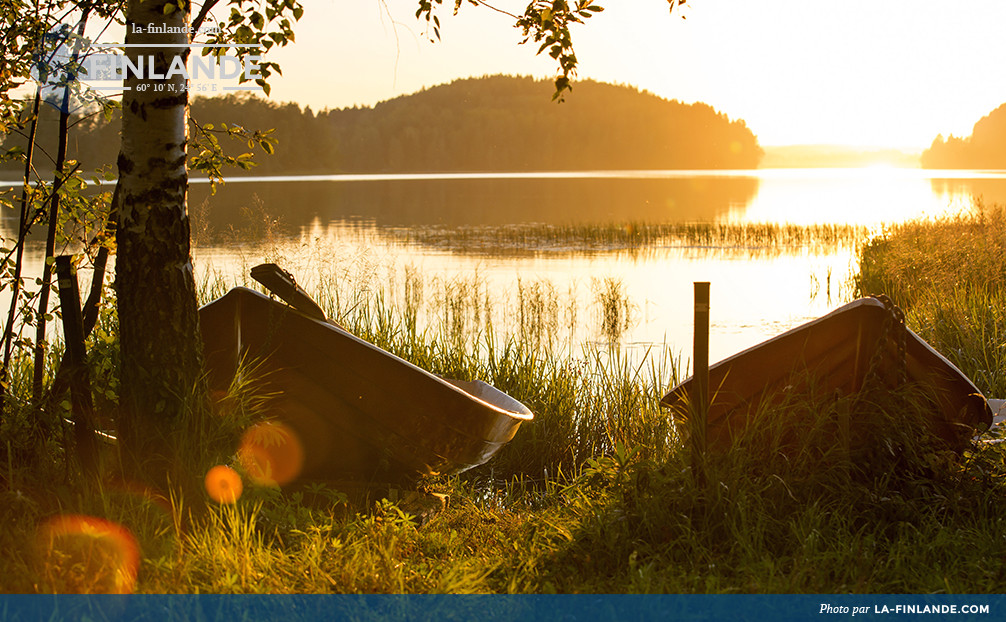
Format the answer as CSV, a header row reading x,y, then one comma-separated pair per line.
x,y
949,276
597,495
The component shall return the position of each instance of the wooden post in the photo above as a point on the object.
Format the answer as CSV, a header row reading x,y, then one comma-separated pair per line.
x,y
700,384
81,404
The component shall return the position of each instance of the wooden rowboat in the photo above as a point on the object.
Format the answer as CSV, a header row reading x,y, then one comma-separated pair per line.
x,y
838,352
352,410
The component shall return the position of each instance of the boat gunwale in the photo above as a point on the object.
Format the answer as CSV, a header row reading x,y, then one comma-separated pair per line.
x,y
521,416
670,399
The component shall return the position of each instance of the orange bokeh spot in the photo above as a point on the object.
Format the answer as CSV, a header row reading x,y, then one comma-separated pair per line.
x,y
89,555
271,453
223,484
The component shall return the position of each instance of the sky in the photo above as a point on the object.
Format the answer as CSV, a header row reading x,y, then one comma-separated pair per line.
x,y
878,73
867,73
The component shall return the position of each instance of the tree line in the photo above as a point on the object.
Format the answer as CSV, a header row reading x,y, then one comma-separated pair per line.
x,y
496,123
984,148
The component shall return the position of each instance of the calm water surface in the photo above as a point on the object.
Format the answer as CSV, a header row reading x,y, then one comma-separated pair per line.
x,y
345,231
342,228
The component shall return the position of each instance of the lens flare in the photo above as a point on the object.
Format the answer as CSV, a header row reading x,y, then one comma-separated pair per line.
x,y
223,484
271,453
88,555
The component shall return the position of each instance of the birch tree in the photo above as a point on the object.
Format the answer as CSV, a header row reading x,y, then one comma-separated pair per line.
x,y
155,289
159,325
161,347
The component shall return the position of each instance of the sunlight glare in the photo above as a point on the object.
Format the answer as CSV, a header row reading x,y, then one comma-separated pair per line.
x,y
223,484
880,169
271,453
88,555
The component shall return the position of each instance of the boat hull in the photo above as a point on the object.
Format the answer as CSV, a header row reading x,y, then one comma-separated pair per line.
x,y
356,411
837,352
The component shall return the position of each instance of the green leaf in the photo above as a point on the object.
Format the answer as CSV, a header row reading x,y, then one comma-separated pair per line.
x,y
169,8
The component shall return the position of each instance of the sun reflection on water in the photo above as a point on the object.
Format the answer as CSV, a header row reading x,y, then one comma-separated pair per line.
x,y
755,293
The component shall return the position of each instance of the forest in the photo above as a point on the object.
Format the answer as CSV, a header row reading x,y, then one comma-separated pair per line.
x,y
496,123
984,148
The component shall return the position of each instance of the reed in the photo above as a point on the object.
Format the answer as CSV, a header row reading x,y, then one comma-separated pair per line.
x,y
964,251
614,306
949,275
596,495
586,396
750,239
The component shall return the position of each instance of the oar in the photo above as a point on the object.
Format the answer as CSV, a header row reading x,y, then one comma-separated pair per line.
x,y
281,283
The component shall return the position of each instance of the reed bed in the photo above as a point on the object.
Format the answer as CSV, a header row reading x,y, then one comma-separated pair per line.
x,y
766,239
586,397
949,275
962,252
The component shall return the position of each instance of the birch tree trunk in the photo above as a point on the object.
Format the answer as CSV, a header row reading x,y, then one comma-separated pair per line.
x,y
158,320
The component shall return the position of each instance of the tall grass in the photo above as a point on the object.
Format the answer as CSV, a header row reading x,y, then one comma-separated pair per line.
x,y
586,398
761,239
598,494
949,275
916,259
614,306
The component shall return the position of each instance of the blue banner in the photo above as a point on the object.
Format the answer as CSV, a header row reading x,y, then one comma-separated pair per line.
x,y
448,608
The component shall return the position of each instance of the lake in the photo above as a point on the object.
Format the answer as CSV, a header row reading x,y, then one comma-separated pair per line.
x,y
454,236
480,252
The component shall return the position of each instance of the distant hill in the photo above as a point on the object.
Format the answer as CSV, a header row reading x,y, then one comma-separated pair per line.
x,y
496,123
508,123
984,148
836,156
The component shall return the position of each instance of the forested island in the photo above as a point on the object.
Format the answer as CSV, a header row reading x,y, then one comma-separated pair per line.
x,y
984,148
495,123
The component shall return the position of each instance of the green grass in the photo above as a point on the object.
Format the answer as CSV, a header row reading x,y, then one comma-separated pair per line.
x,y
962,253
599,493
585,399
949,276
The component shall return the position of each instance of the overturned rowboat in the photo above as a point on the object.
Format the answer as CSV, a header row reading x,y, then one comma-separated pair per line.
x,y
863,340
352,410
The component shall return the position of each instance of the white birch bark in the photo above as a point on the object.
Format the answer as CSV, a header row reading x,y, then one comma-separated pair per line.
x,y
158,321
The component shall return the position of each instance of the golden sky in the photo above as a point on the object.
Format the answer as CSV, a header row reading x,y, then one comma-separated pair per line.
x,y
860,72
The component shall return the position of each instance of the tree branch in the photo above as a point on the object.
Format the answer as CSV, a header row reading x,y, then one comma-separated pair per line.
x,y
498,10
203,12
